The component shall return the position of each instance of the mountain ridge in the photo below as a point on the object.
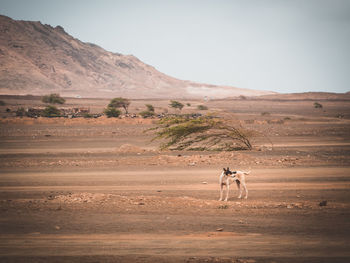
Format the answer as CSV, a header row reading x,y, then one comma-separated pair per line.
x,y
38,59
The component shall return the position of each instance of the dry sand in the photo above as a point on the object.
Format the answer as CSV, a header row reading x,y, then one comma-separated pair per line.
x,y
99,191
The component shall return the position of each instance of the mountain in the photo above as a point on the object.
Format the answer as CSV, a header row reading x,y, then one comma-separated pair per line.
x,y
39,59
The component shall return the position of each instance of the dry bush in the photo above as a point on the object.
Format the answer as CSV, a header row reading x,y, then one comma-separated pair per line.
x,y
202,133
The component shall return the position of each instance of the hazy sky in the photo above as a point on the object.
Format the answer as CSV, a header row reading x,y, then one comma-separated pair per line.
x,y
279,45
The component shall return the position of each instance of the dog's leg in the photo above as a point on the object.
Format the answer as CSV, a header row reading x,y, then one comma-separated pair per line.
x,y
246,190
227,189
221,191
240,191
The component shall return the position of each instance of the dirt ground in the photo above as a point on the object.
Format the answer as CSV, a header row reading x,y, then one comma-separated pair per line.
x,y
98,190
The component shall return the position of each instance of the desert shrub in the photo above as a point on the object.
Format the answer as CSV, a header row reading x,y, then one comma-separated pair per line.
x,y
318,105
176,104
147,114
20,112
88,115
204,133
150,107
202,107
53,98
120,103
2,103
188,104
287,118
241,97
265,113
51,111
112,112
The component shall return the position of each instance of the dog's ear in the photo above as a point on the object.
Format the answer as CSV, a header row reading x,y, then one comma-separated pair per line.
x,y
228,169
224,169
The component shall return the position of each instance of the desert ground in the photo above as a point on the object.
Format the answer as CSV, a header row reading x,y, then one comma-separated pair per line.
x,y
100,190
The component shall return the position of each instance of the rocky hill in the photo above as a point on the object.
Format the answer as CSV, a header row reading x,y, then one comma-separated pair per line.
x,y
40,59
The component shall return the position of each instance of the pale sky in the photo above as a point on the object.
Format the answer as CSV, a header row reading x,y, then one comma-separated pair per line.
x,y
279,45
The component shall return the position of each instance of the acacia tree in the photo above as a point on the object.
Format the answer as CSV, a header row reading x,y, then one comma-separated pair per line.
x,y
120,103
203,133
53,98
176,104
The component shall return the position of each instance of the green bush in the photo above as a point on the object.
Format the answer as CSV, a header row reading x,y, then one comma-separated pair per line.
x,y
202,133
87,115
53,98
51,111
20,112
202,107
147,114
112,112
119,103
318,105
150,107
176,105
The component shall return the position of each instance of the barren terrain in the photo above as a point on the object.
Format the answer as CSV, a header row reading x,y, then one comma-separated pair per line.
x,y
98,190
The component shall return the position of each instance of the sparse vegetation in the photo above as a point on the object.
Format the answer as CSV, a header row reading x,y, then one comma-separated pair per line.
x,y
150,107
112,112
120,103
202,133
147,114
176,104
188,104
2,103
265,113
51,111
202,107
53,98
20,112
318,105
88,115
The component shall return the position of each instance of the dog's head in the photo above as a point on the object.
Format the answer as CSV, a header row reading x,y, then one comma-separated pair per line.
x,y
227,171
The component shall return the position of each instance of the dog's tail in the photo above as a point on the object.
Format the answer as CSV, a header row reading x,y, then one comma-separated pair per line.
x,y
247,172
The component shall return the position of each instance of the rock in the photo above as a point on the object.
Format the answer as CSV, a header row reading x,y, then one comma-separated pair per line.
x,y
204,183
57,228
219,229
141,203
323,203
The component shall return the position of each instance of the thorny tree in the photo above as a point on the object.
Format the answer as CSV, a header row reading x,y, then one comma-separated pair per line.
x,y
202,133
120,103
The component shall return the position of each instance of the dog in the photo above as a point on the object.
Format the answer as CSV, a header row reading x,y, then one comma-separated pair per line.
x,y
227,177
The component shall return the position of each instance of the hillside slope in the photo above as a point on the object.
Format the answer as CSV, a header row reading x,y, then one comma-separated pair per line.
x,y
38,59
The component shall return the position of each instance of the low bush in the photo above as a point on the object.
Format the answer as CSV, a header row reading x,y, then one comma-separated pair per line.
x,y
147,114
202,107
112,112
150,107
53,98
20,112
318,105
51,111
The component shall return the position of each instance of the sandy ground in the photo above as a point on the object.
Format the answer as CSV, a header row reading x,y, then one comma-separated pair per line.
x,y
99,191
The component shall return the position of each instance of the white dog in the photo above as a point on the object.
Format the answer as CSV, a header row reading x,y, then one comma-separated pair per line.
x,y
227,177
